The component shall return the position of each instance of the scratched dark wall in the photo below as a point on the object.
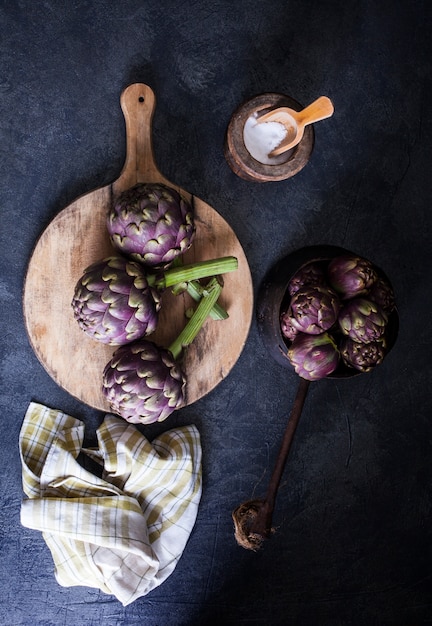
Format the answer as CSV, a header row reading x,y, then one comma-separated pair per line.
x,y
353,516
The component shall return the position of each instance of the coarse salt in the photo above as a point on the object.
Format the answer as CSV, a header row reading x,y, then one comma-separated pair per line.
x,y
261,139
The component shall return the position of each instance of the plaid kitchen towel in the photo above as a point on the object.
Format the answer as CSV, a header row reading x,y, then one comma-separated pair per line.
x,y
123,529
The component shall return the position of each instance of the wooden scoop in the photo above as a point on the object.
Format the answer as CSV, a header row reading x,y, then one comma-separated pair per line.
x,y
295,121
78,236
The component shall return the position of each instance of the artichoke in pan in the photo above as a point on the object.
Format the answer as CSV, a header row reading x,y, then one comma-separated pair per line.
x,y
313,356
362,356
362,320
309,274
382,293
314,309
287,327
114,303
351,275
152,223
143,382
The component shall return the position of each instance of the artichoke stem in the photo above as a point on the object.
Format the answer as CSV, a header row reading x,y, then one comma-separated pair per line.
x,y
193,271
192,328
196,291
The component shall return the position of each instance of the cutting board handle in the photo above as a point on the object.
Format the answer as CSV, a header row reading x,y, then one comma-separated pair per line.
x,y
138,104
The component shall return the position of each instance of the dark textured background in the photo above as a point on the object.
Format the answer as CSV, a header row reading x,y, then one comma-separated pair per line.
x,y
353,545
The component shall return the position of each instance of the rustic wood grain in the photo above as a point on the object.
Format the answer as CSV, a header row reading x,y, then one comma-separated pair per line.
x,y
77,237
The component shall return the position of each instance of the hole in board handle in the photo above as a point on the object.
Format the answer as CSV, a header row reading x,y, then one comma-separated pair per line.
x,y
141,99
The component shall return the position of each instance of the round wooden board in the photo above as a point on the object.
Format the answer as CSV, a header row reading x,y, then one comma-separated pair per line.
x,y
77,237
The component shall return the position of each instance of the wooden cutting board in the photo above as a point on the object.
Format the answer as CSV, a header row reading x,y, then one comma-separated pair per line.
x,y
77,237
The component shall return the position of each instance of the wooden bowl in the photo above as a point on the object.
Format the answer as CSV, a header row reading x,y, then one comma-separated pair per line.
x,y
243,163
273,296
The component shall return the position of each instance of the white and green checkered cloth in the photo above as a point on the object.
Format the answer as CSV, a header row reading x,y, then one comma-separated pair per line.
x,y
125,531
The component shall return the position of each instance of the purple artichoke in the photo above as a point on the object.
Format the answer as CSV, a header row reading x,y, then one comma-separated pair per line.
x,y
314,309
362,356
151,223
310,274
313,356
362,320
382,293
113,302
351,275
287,327
143,383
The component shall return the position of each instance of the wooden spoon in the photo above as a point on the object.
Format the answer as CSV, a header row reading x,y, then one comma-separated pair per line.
x,y
253,518
78,236
295,121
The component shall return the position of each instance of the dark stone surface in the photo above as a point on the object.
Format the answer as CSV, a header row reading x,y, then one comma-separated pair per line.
x,y
353,542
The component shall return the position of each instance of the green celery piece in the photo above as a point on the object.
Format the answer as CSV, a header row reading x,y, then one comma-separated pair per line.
x,y
211,293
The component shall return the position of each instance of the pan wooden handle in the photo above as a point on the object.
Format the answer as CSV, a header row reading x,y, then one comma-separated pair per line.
x,y
138,104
